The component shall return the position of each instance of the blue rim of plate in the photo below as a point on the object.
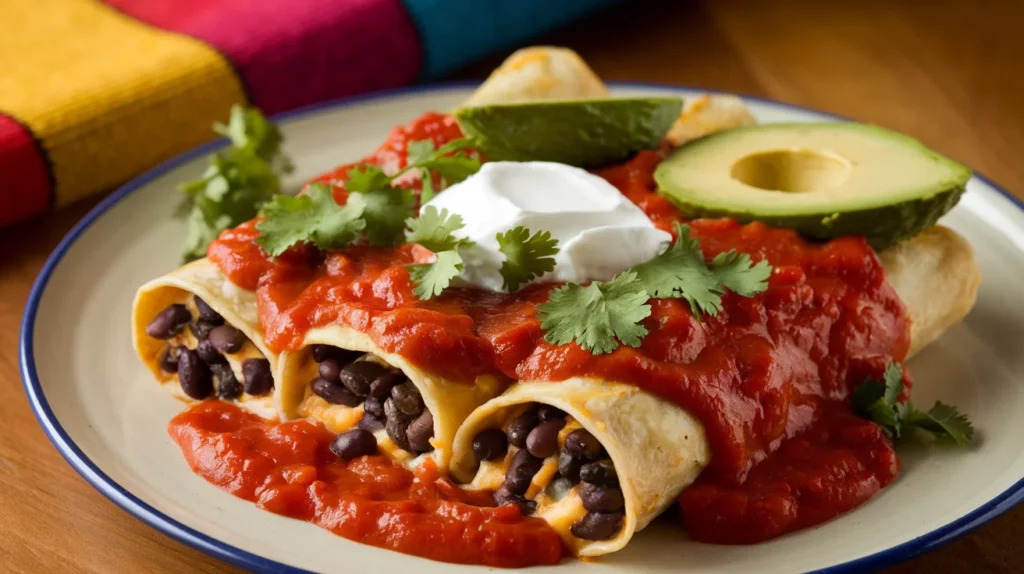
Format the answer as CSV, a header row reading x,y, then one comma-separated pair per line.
x,y
175,529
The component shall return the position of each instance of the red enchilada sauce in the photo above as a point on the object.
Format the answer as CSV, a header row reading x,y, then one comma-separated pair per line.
x,y
769,376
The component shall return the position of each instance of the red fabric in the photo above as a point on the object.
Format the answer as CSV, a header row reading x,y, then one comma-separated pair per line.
x,y
291,53
24,175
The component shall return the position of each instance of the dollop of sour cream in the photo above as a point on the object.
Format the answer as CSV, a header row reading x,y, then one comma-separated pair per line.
x,y
600,233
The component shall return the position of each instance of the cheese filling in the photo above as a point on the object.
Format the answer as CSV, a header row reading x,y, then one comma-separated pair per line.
x,y
556,492
349,390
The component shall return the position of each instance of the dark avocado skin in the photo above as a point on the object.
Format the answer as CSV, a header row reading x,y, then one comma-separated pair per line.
x,y
583,133
881,226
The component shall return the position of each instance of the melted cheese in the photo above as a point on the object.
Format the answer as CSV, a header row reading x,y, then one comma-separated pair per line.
x,y
248,351
559,513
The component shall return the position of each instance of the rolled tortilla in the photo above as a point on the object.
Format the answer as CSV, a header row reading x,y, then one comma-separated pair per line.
x,y
236,305
657,448
539,73
448,402
936,276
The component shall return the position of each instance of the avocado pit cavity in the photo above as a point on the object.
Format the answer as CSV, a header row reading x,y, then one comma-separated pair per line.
x,y
794,170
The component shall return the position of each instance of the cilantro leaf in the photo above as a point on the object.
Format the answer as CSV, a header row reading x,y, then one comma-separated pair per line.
x,y
433,230
249,130
526,257
385,213
449,160
893,380
367,178
238,181
427,189
736,273
431,279
598,316
878,401
943,421
419,150
682,273
313,217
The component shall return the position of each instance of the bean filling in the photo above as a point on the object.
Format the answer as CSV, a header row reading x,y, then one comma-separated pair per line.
x,y
390,400
583,468
203,371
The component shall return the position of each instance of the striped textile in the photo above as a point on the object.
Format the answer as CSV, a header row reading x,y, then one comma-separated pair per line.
x,y
94,92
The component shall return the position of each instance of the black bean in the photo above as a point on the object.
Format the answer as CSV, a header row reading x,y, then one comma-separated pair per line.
x,y
227,339
520,428
258,378
569,466
228,387
598,525
420,431
548,412
207,312
407,399
201,328
583,444
490,444
323,352
370,422
354,443
208,353
601,498
503,496
375,406
382,385
168,359
330,370
169,322
194,375
542,441
357,376
521,470
601,473
396,424
334,393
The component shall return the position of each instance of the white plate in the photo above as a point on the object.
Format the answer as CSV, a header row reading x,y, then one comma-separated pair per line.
x,y
103,412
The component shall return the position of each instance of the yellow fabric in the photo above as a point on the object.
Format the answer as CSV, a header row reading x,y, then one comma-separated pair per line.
x,y
108,96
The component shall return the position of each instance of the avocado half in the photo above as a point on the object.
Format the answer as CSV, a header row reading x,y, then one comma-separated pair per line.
x,y
583,133
822,179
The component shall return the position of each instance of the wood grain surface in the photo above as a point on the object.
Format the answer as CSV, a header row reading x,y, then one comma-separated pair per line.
x,y
948,73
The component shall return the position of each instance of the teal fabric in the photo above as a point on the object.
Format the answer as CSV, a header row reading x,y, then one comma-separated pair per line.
x,y
456,32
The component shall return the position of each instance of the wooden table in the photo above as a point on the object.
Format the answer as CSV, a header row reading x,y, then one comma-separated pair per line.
x,y
948,73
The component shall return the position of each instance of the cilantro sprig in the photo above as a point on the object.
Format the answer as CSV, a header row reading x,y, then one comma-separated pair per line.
x,y
598,316
879,401
376,211
238,181
682,273
526,256
435,230
313,217
450,161
430,279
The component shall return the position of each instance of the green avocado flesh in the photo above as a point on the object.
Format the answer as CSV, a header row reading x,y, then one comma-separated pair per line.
x,y
822,179
584,133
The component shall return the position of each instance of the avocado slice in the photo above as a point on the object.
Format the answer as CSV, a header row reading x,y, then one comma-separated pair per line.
x,y
584,133
822,179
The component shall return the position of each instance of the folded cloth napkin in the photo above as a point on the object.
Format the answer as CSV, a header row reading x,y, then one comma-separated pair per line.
x,y
94,92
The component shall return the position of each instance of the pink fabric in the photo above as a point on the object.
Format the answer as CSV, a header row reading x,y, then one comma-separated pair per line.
x,y
291,53
25,187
